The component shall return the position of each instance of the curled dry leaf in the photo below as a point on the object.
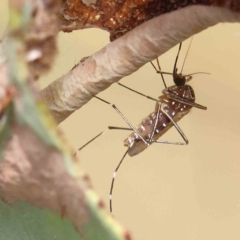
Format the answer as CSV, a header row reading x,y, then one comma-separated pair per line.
x,y
41,39
120,16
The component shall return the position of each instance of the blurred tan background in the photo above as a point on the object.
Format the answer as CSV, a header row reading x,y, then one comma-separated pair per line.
x,y
167,192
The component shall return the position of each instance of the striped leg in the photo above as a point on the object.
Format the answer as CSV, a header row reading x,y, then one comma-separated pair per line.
x,y
114,176
175,125
154,129
99,134
124,118
146,96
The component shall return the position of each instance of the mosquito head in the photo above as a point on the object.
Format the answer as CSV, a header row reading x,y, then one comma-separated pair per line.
x,y
179,79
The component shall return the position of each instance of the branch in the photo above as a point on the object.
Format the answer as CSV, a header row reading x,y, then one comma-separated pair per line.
x,y
127,54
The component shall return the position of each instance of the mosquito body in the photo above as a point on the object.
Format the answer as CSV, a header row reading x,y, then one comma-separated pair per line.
x,y
173,105
159,122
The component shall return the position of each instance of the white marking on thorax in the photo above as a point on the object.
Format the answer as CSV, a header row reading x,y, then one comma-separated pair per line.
x,y
130,140
184,93
136,136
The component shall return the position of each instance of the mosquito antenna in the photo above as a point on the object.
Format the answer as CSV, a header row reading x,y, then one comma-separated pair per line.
x,y
175,64
114,176
197,73
187,53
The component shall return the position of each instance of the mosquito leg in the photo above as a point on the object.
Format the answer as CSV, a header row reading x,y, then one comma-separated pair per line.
x,y
155,124
160,72
137,92
175,64
98,135
162,141
159,68
124,118
167,73
154,67
79,149
175,125
169,142
114,176
158,141
119,128
187,54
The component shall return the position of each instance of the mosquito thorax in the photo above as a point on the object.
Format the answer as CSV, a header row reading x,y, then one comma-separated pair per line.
x,y
174,107
185,92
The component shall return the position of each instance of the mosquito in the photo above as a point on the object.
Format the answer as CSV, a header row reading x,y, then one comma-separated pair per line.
x,y
175,102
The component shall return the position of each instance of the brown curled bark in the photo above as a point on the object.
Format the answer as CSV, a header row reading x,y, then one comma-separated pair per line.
x,y
120,16
127,54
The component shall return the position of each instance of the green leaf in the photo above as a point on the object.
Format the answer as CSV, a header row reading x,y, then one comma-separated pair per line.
x,y
22,221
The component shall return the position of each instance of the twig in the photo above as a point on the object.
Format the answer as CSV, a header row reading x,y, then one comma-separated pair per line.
x,y
127,54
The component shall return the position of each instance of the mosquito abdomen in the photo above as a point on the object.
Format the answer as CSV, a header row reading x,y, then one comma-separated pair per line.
x,y
174,109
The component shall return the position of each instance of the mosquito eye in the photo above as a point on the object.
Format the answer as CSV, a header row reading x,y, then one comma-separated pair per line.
x,y
180,81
